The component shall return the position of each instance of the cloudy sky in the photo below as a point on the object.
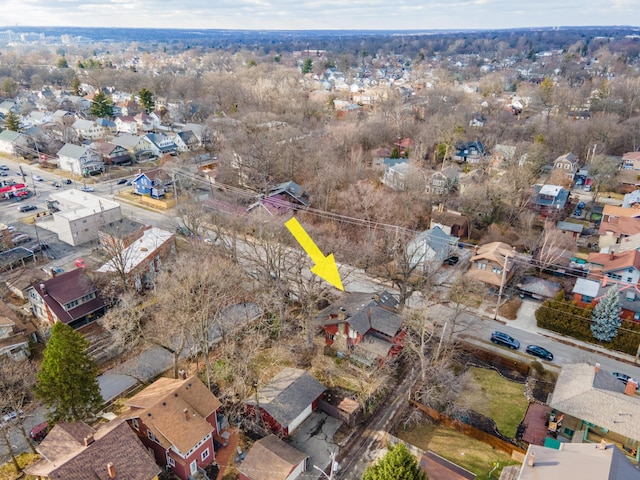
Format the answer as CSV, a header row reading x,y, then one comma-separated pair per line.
x,y
319,14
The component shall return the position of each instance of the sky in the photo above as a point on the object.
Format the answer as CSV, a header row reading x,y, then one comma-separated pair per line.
x,y
319,14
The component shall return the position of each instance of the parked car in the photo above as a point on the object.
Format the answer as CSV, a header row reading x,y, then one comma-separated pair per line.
x,y
9,415
27,208
624,378
580,205
539,352
67,181
37,178
122,181
86,188
501,338
3,173
452,260
577,212
80,263
20,238
40,431
55,184
4,167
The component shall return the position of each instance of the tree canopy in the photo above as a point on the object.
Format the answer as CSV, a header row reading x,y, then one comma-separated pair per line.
x,y
12,122
146,99
67,380
606,316
102,106
397,464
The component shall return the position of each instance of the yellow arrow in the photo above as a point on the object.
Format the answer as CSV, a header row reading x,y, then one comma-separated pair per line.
x,y
325,267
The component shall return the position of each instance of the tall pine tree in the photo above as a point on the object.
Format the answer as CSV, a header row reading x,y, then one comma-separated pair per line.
x,y
606,316
101,106
12,122
397,464
67,380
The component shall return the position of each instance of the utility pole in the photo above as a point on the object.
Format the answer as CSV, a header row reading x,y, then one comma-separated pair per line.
x,y
333,467
504,276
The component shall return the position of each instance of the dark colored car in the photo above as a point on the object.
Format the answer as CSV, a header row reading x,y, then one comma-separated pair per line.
x,y
38,432
122,181
27,208
539,352
67,181
580,205
624,378
500,338
452,260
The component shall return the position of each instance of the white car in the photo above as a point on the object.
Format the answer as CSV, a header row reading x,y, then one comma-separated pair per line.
x,y
37,178
11,415
87,189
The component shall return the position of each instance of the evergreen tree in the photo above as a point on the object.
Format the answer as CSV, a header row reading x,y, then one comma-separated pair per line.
x,y
67,380
75,86
62,63
12,122
146,100
102,106
307,66
606,316
397,464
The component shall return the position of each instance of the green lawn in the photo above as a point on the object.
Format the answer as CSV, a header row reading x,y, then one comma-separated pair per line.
x,y
497,398
469,453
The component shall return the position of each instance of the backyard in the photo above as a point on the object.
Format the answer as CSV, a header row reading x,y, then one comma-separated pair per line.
x,y
497,398
469,453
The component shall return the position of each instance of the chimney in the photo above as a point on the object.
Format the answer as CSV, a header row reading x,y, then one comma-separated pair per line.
x,y
186,414
597,368
88,440
612,255
604,281
532,459
182,375
630,388
43,288
111,470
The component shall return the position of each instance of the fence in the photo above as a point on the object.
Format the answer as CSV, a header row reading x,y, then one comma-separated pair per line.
x,y
469,430
348,418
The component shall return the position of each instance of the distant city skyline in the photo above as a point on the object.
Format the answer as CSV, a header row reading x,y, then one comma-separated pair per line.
x,y
320,15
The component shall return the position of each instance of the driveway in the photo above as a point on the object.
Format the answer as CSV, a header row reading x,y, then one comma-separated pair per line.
x,y
315,438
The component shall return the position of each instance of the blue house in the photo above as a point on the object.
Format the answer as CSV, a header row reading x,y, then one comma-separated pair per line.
x,y
151,183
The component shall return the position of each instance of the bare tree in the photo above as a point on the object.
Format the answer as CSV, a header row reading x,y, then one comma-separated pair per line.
x,y
554,246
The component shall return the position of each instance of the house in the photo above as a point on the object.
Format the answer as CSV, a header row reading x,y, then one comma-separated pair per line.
x,y
574,230
565,167
591,405
120,234
284,462
287,400
378,157
186,141
87,129
176,419
69,297
492,264
111,153
15,334
141,261
617,224
477,120
622,267
450,221
577,460
396,171
631,161
13,143
64,118
159,144
589,292
282,198
79,215
146,123
109,127
443,181
20,279
151,183
404,145
502,155
430,248
549,200
132,143
79,160
365,326
126,124
76,451
470,152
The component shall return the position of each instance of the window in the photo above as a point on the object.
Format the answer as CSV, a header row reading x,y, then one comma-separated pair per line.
x,y
497,270
205,454
482,266
71,304
587,298
152,437
134,422
171,462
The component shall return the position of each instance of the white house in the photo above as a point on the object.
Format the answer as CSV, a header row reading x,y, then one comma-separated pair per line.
x,y
11,142
87,129
79,160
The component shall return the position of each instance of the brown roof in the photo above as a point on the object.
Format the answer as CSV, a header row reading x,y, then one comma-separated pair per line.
x,y
65,456
620,225
271,459
616,261
631,156
495,251
161,407
615,211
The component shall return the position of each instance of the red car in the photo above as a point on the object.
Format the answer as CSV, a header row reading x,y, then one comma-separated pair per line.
x,y
39,431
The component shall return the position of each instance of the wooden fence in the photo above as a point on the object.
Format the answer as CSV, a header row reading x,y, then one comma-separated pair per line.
x,y
469,430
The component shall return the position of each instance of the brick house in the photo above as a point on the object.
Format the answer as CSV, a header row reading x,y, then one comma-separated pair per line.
x,y
177,420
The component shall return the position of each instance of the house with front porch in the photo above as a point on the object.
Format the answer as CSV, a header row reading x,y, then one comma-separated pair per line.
x,y
111,153
151,183
177,420
367,328
550,200
70,298
132,143
588,292
565,167
79,160
159,144
492,264
87,129
125,124
620,267
591,405
186,141
430,248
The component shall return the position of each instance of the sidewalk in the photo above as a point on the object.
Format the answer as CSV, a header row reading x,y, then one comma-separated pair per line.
x,y
526,320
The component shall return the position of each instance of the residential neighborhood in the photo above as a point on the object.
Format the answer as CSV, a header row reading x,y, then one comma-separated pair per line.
x,y
232,262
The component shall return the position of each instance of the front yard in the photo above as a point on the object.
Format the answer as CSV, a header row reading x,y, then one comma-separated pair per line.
x,y
497,398
469,453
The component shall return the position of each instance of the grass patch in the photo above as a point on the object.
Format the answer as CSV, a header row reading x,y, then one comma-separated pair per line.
x,y
497,398
8,470
469,453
